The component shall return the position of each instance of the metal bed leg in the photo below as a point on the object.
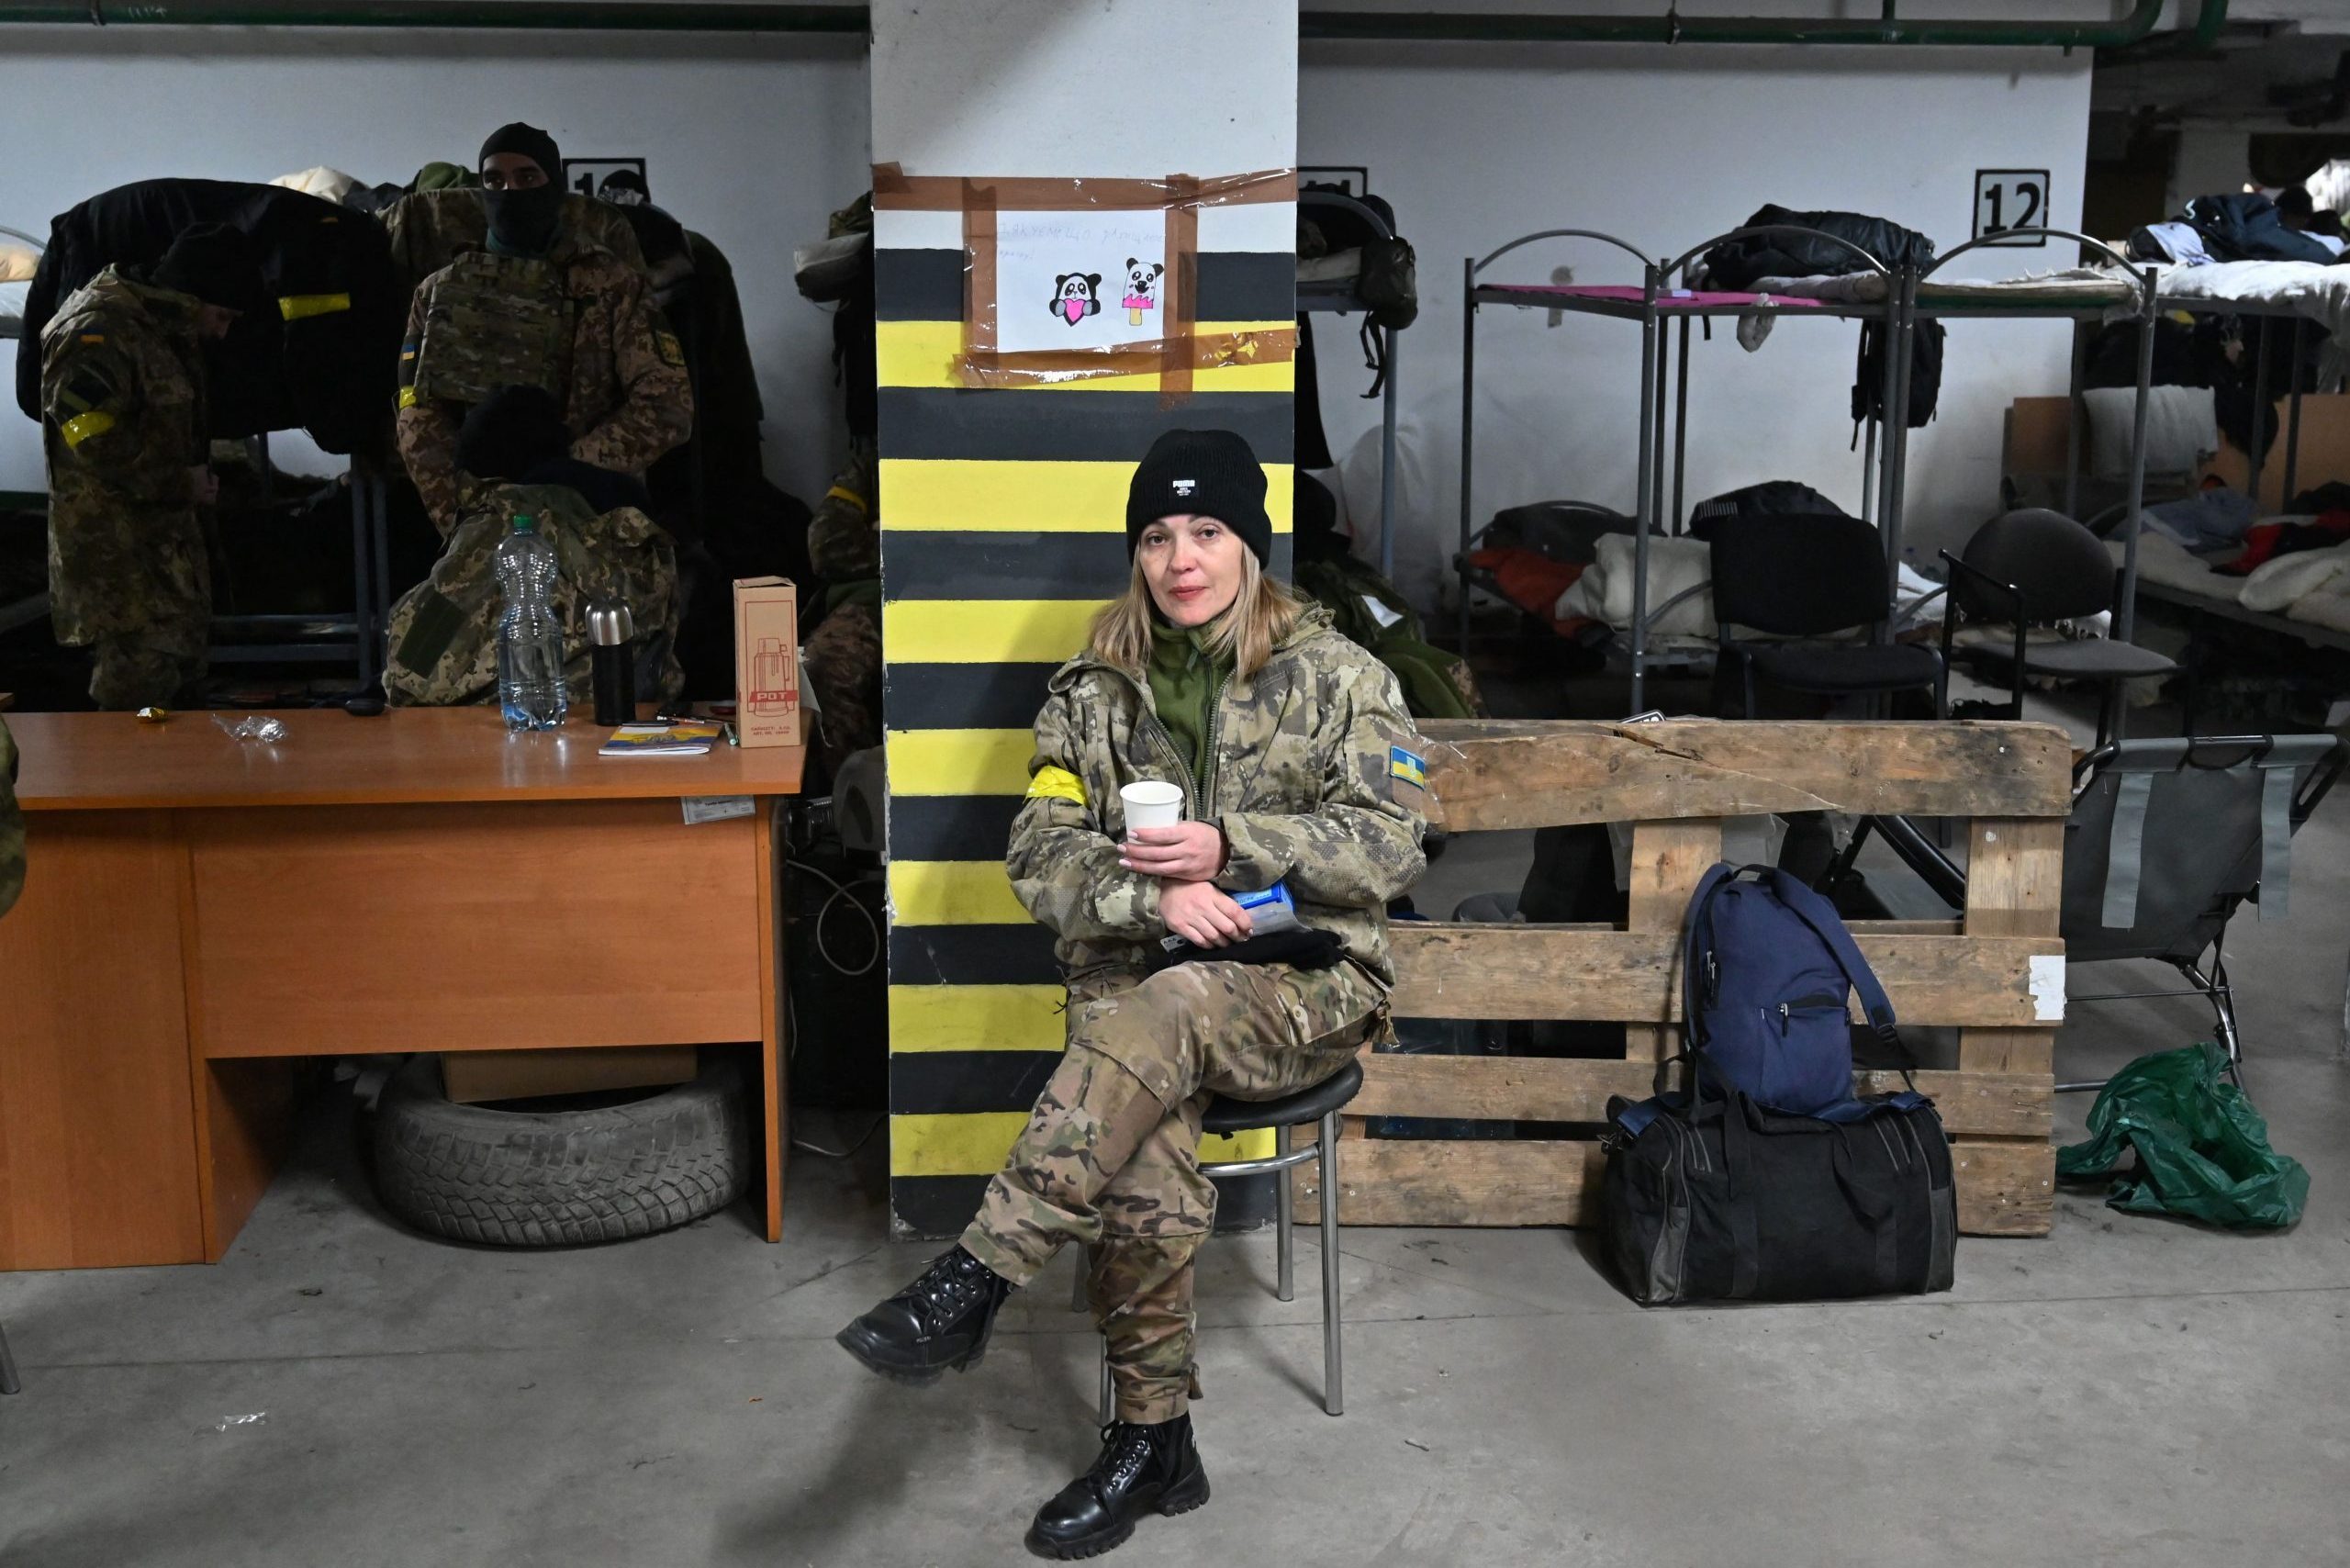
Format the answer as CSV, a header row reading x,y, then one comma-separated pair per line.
x,y
1333,1386
1868,476
379,641
8,1383
1284,1224
1644,507
1468,427
1109,1399
1387,469
1663,395
2294,417
1680,429
362,593
2258,454
2075,417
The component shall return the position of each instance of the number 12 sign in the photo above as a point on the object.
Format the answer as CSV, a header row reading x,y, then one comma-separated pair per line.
x,y
2010,198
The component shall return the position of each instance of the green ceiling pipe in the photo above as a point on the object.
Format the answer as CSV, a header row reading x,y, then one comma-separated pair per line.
x,y
621,15
1672,27
540,15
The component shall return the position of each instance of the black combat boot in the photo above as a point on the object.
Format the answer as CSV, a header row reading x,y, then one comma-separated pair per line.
x,y
1142,1470
941,1320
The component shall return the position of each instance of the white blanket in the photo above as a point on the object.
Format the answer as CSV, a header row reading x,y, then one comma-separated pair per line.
x,y
1604,592
2168,562
2274,587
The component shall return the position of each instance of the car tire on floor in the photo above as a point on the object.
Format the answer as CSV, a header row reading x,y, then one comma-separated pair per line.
x,y
536,1178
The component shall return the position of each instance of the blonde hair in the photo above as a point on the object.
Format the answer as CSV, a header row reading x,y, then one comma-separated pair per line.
x,y
1262,616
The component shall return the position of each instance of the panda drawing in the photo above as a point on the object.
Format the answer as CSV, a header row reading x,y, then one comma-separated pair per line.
x,y
1077,295
1142,290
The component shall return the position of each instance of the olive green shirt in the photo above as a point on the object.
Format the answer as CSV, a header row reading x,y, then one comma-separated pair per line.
x,y
1184,681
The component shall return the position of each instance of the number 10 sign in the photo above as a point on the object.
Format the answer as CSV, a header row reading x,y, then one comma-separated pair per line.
x,y
2010,198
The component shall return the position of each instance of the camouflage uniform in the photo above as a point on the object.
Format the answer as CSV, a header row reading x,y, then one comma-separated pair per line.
x,y
122,405
622,381
843,655
444,631
12,825
1305,784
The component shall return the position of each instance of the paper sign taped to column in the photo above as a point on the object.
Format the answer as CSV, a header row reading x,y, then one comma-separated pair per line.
x,y
1080,281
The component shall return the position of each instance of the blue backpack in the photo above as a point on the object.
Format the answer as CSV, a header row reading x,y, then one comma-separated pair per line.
x,y
1767,971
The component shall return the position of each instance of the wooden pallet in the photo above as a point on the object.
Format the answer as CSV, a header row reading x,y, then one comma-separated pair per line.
x,y
1675,782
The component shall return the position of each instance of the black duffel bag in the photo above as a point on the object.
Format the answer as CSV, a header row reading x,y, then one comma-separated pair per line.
x,y
1737,1203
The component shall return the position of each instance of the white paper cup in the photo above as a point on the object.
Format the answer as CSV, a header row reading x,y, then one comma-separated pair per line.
x,y
1150,803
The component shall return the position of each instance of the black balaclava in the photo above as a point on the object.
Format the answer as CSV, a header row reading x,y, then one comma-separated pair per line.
x,y
211,262
523,222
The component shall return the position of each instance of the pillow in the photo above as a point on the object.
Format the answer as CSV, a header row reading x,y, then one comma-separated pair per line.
x,y
2181,429
17,262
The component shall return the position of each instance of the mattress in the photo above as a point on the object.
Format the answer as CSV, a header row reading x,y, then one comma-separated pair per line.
x,y
2319,294
12,308
2076,288
1557,296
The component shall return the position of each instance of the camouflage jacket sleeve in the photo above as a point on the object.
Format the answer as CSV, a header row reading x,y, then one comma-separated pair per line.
x,y
94,394
656,407
1064,869
843,541
12,825
1362,847
428,436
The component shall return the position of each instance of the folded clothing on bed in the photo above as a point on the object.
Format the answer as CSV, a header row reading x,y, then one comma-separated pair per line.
x,y
2207,522
2264,541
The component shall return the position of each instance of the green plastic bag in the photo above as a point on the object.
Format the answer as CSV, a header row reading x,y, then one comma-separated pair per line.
x,y
2202,1150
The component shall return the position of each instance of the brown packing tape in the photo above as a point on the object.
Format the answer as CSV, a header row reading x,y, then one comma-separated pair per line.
x,y
1215,351
894,190
1182,294
979,271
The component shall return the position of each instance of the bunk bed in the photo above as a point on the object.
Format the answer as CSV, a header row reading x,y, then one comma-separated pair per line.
x,y
1660,302
1338,296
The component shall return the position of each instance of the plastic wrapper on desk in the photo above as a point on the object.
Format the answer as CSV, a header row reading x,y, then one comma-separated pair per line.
x,y
2202,1151
267,731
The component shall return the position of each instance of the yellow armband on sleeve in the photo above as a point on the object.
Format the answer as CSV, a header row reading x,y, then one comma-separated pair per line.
x,y
1056,784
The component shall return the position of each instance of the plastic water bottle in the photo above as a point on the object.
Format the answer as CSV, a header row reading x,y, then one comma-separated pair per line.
x,y
529,638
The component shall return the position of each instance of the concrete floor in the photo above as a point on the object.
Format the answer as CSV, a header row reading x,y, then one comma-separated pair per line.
x,y
341,1392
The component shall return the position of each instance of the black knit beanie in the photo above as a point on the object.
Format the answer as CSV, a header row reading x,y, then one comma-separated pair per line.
x,y
529,141
1205,474
212,261
511,432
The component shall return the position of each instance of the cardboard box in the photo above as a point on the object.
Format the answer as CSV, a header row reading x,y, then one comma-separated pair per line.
x,y
766,662
472,1077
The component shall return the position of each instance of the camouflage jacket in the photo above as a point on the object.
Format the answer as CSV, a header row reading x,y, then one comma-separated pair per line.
x,y
844,536
444,631
122,406
628,401
1301,776
12,825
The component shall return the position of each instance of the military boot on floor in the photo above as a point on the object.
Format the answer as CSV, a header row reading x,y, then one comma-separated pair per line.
x,y
941,1320
1142,1470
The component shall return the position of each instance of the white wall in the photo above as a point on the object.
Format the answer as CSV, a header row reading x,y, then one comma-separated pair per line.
x,y
1477,144
751,141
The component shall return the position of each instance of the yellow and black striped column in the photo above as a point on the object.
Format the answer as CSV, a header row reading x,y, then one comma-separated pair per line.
x,y
1002,531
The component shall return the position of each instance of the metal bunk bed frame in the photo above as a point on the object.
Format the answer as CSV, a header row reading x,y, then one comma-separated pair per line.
x,y
1655,306
1324,298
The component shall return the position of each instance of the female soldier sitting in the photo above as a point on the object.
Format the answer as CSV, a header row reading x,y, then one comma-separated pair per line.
x,y
1289,745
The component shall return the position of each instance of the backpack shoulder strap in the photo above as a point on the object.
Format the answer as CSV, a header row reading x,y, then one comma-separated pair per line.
x,y
1692,922
1820,915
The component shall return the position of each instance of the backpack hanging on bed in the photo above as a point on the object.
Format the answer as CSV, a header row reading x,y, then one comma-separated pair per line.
x,y
1767,973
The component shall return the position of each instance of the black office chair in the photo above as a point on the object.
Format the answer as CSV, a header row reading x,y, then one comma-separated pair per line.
x,y
1802,575
2031,568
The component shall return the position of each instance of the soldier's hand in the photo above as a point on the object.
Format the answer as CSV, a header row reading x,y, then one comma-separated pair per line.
x,y
1187,852
203,486
1201,914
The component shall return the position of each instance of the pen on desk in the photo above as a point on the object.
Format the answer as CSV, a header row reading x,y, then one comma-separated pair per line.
x,y
732,738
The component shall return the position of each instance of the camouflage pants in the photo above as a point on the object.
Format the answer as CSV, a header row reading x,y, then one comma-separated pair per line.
x,y
1109,1157
161,665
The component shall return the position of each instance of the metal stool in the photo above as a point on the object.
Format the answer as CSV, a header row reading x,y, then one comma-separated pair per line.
x,y
8,1383
1320,1104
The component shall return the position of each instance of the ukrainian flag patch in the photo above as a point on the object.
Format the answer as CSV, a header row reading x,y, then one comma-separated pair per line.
x,y
1409,766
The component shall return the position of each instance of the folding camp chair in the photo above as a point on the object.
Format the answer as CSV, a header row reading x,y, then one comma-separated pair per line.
x,y
2167,838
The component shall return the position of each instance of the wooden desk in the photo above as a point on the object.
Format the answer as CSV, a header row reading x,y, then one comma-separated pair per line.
x,y
201,912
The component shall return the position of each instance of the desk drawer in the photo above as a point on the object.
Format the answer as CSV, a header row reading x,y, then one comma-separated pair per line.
x,y
331,929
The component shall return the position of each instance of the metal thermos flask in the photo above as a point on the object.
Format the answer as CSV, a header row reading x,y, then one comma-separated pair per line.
x,y
609,627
